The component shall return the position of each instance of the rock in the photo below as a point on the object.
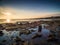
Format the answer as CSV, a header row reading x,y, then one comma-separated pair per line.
x,y
1,33
36,35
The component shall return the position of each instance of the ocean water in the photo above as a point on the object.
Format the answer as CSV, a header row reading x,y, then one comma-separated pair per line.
x,y
18,20
9,36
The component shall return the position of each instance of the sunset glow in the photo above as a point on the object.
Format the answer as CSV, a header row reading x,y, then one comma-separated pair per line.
x,y
23,14
28,9
29,22
7,13
8,20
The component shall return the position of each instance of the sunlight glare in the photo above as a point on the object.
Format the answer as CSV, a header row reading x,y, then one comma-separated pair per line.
x,y
8,20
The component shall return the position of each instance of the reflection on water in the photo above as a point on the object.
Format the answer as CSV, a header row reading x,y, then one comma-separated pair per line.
x,y
30,20
10,36
13,34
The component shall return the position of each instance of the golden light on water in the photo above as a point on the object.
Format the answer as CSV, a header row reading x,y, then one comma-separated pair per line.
x,y
8,20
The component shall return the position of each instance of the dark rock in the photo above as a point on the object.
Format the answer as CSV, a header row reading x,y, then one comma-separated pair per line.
x,y
1,33
35,36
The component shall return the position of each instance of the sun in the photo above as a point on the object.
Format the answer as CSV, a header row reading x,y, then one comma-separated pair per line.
x,y
8,20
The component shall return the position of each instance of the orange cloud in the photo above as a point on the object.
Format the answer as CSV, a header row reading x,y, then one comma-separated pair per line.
x,y
23,14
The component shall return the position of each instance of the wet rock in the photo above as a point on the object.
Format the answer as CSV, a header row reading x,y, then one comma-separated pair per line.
x,y
1,33
36,35
20,33
28,32
32,30
4,41
19,41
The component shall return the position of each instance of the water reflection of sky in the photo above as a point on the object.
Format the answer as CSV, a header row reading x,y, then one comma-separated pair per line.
x,y
16,33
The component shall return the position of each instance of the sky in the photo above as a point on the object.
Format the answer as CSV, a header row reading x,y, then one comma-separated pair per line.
x,y
22,9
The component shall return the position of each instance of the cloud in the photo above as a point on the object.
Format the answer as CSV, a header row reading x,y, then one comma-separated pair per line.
x,y
22,14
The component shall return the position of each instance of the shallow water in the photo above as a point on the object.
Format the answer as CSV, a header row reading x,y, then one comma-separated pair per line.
x,y
7,36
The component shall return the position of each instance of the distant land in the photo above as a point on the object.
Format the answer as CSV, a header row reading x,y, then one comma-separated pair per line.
x,y
56,17
32,19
